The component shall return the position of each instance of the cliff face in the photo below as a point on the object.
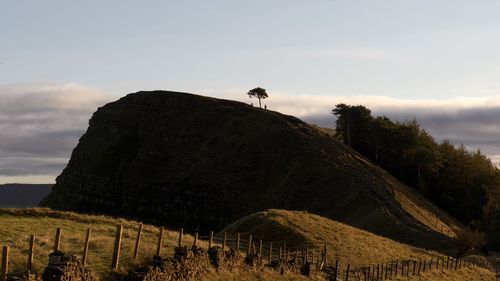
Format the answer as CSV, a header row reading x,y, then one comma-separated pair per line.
x,y
200,162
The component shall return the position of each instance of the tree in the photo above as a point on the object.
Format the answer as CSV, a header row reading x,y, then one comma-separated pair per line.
x,y
258,93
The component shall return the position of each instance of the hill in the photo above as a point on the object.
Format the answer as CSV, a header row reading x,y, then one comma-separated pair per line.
x,y
23,195
345,243
202,162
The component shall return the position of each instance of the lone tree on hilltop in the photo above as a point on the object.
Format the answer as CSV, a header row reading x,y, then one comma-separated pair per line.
x,y
258,93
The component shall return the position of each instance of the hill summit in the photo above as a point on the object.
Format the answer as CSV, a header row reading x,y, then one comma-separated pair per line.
x,y
201,162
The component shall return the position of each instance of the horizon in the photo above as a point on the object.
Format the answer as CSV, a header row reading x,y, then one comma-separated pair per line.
x,y
436,62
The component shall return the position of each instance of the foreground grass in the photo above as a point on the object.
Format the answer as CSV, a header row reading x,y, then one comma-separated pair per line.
x,y
16,225
248,275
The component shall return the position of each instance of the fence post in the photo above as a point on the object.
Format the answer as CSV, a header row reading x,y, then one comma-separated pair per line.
x,y
271,252
347,273
402,268
137,241
181,232
447,262
57,240
324,255
195,242
160,242
210,240
224,242
86,247
378,270
419,265
5,263
260,248
249,250
456,264
284,252
336,269
386,270
30,253
238,242
396,271
116,251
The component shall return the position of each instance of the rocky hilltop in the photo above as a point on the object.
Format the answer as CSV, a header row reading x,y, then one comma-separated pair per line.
x,y
182,159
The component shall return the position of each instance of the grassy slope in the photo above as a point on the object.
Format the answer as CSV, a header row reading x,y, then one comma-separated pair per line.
x,y
18,224
346,243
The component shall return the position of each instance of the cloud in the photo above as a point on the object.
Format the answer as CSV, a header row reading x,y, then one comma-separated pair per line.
x,y
40,124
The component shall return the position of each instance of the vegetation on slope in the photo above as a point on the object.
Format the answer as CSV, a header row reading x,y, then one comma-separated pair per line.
x,y
463,182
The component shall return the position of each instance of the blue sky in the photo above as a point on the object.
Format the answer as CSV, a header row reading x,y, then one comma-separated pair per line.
x,y
434,60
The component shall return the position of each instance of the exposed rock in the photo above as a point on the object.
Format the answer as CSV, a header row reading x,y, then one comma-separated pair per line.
x,y
201,162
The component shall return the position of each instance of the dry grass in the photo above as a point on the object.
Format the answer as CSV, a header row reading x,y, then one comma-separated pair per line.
x,y
345,243
248,275
463,274
17,224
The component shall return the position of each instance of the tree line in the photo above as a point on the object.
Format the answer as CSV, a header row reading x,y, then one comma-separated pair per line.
x,y
463,182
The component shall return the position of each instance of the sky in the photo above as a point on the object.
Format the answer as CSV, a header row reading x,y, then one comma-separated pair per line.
x,y
436,61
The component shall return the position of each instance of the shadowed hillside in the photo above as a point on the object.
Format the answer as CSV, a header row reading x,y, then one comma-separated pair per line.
x,y
203,162
22,195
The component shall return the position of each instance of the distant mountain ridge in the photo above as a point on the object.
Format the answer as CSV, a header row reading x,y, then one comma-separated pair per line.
x,y
200,162
23,195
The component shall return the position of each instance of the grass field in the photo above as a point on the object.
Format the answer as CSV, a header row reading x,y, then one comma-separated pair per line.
x,y
18,224
348,244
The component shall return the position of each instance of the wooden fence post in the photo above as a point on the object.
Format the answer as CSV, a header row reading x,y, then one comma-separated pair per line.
x,y
419,265
195,242
30,253
181,232
160,242
271,251
386,269
324,254
224,242
249,250
137,241
116,250
378,270
396,271
347,272
336,269
238,242
456,264
5,263
211,240
57,240
86,247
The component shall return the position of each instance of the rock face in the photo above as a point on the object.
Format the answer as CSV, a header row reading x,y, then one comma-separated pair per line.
x,y
181,159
